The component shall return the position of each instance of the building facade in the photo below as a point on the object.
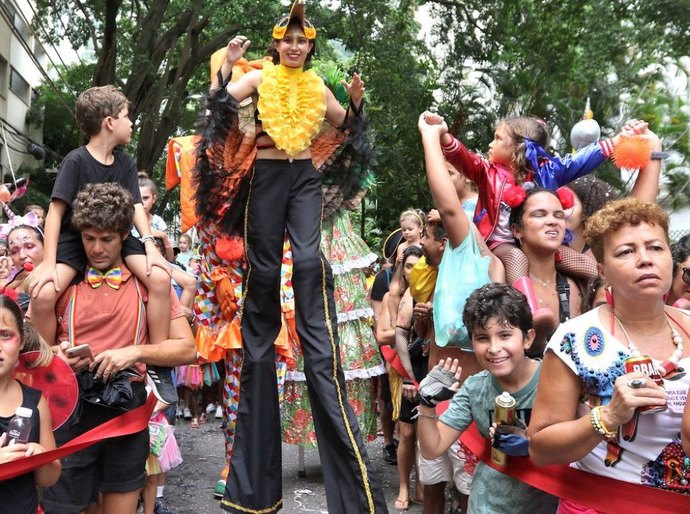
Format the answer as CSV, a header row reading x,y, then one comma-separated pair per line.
x,y
23,64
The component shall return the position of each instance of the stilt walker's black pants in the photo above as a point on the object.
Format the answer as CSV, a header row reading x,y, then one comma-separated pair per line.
x,y
287,195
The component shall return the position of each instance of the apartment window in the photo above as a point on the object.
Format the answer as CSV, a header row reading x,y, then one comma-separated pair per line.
x,y
19,23
19,86
3,77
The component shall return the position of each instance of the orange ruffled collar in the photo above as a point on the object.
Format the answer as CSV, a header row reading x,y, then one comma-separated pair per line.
x,y
292,106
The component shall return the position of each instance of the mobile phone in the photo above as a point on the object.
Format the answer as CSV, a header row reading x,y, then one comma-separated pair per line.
x,y
82,350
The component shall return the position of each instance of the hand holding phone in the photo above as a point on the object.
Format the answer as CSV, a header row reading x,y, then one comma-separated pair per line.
x,y
82,351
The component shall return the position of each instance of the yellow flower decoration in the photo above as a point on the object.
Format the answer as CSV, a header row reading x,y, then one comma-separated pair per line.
x,y
292,106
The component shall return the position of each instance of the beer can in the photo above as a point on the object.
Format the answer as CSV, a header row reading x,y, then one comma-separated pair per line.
x,y
504,414
645,364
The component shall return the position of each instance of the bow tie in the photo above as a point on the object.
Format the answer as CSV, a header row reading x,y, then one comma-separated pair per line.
x,y
112,277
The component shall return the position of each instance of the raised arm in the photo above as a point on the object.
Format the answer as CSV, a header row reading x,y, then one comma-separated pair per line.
x,y
443,193
646,185
247,85
335,113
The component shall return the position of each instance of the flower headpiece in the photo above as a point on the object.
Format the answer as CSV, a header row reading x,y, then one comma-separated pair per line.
x,y
514,196
296,13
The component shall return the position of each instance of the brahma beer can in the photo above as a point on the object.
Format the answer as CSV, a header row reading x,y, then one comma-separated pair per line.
x,y
645,364
504,414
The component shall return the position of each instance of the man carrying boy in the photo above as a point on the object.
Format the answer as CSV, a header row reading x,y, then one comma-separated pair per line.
x,y
108,310
499,323
103,117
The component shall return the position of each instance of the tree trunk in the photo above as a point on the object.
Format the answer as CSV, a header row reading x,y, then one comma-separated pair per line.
x,y
104,72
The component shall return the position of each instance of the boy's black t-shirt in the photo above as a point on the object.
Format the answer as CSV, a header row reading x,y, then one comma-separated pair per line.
x,y
79,168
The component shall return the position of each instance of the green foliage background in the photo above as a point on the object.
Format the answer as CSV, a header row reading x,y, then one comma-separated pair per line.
x,y
482,60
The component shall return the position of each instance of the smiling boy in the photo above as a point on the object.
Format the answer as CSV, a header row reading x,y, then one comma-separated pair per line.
x,y
500,326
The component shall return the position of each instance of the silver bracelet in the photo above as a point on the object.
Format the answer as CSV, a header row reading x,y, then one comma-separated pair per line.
x,y
143,239
423,414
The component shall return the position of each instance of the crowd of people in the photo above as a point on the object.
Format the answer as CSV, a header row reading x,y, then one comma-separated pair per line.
x,y
527,318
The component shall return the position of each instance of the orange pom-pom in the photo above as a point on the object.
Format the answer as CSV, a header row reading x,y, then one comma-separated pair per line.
x,y
230,248
633,152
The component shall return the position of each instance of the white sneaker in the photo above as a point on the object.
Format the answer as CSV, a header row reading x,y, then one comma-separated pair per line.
x,y
187,413
210,408
219,412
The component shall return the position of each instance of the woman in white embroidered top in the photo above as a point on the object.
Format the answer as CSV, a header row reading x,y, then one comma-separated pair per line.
x,y
588,410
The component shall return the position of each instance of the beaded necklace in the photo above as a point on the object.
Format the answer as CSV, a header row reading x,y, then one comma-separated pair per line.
x,y
666,366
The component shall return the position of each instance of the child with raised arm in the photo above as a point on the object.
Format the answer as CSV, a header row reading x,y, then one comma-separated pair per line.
x,y
499,323
103,117
517,156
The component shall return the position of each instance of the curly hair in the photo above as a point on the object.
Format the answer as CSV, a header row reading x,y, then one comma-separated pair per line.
x,y
615,215
97,103
501,301
107,207
680,251
519,128
593,194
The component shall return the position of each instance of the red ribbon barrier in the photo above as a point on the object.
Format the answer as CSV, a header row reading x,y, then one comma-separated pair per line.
x,y
128,423
594,491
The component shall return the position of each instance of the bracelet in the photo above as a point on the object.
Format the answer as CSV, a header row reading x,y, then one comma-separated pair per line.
x,y
659,156
424,415
598,424
144,239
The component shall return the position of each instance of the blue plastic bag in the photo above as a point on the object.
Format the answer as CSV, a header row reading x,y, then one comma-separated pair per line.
x,y
462,270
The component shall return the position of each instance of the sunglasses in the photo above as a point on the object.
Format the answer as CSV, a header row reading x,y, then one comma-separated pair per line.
x,y
686,275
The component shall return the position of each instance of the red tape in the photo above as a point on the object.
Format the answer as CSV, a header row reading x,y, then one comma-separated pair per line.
x,y
128,423
594,491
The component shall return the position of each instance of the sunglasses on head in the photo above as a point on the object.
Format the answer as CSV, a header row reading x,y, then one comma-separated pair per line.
x,y
686,275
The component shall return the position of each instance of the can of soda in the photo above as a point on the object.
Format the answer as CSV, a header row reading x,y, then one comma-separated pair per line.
x,y
644,364
504,414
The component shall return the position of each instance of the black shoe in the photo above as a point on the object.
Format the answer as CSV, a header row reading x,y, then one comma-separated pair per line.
x,y
161,382
160,507
389,454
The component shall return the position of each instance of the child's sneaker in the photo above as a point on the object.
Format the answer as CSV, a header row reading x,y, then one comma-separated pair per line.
x,y
187,413
210,408
219,412
161,382
219,489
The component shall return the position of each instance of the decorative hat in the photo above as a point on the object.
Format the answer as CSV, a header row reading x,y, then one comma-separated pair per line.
x,y
390,245
296,13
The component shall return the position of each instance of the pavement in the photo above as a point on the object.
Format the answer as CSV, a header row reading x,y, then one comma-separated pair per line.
x,y
189,487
